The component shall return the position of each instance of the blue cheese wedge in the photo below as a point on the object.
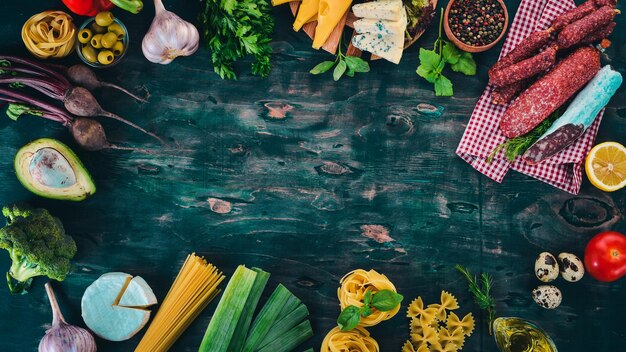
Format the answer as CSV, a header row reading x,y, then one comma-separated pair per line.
x,y
389,47
384,27
389,10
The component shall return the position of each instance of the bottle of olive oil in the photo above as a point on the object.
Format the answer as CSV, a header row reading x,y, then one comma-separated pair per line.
x,y
519,335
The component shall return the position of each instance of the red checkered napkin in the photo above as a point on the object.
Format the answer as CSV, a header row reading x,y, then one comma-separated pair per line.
x,y
482,133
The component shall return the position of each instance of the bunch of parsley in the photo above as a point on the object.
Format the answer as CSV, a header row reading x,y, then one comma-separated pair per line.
x,y
433,62
234,29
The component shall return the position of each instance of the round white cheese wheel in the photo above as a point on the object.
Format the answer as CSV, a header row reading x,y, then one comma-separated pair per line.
x,y
102,312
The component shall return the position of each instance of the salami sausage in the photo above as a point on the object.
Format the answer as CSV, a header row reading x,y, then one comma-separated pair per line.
x,y
503,95
527,48
549,92
574,14
600,3
601,34
523,69
575,32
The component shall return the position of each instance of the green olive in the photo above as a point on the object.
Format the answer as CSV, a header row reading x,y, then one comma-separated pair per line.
x,y
117,29
104,19
105,57
96,41
89,53
84,36
108,40
118,48
98,29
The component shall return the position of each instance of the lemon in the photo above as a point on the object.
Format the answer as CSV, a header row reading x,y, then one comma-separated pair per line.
x,y
606,166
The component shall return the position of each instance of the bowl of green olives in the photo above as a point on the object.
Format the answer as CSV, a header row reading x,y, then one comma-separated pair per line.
x,y
102,40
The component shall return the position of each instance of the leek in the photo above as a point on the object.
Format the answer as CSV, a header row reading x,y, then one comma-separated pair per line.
x,y
239,338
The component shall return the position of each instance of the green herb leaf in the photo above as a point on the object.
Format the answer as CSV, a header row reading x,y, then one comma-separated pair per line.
x,y
443,87
322,67
386,300
349,318
340,69
450,53
429,60
15,111
367,299
481,291
357,64
465,65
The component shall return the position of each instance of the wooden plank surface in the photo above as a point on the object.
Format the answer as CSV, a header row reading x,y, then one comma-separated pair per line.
x,y
309,179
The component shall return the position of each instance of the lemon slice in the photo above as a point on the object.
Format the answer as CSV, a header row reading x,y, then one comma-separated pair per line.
x,y
606,166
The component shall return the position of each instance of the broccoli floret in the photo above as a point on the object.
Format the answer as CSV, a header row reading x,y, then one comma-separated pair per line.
x,y
37,245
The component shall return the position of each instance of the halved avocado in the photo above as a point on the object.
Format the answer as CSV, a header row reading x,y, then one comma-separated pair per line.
x,y
51,169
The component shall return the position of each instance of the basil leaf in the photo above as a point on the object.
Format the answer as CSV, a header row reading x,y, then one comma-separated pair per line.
x,y
451,53
429,59
366,311
465,65
322,67
367,299
340,69
430,76
443,87
386,300
349,318
357,64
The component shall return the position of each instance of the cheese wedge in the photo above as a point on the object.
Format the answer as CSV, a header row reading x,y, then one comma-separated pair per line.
x,y
329,15
280,2
307,10
390,10
107,319
389,47
369,25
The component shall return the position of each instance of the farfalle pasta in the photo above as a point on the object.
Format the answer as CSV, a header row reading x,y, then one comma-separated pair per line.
x,y
355,340
352,292
436,328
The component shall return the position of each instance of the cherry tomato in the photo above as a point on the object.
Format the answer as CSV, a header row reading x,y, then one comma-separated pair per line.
x,y
605,256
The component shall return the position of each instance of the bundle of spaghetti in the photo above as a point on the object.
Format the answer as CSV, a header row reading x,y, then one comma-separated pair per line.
x,y
357,339
49,34
194,288
352,292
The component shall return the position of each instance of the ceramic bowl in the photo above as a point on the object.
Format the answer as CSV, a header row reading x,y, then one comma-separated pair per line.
x,y
79,45
470,48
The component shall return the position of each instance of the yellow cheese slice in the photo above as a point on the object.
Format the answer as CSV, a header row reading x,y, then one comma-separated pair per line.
x,y
329,15
107,319
308,10
280,2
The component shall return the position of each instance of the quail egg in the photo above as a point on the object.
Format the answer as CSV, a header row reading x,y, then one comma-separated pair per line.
x,y
547,296
572,268
546,267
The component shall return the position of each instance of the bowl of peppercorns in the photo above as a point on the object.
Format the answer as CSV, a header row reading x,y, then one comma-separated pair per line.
x,y
475,25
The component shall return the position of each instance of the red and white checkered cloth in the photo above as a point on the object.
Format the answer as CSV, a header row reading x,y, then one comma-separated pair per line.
x,y
483,134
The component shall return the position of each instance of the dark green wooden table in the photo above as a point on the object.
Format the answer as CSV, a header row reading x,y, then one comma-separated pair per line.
x,y
303,188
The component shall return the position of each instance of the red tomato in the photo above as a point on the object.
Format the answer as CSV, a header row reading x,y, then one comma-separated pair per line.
x,y
605,256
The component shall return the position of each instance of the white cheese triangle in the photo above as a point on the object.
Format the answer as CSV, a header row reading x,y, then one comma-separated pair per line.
x,y
389,47
138,294
390,10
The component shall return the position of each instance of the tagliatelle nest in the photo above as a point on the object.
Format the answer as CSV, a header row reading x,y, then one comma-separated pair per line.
x,y
352,292
357,340
435,328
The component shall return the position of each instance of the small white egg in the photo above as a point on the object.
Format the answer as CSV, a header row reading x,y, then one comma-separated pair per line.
x,y
547,296
572,268
546,267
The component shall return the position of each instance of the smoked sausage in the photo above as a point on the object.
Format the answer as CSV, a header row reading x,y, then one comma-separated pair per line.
x,y
523,69
574,14
601,34
550,92
525,49
575,32
503,95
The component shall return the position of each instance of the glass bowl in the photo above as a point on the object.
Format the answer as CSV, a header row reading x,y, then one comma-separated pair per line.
x,y
79,45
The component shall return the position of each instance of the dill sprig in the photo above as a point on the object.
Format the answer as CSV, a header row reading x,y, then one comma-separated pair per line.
x,y
517,146
481,291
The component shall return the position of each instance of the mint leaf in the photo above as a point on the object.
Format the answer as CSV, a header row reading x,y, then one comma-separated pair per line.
x,y
349,318
443,87
465,65
357,64
322,67
340,69
451,53
386,300
430,76
429,59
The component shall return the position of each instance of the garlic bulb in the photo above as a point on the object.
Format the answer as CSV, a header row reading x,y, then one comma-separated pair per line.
x,y
62,337
169,37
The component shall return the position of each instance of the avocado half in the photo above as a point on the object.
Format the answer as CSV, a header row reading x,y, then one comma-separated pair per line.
x,y
51,169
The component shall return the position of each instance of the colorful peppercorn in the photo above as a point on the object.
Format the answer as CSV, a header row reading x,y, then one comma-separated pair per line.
x,y
476,22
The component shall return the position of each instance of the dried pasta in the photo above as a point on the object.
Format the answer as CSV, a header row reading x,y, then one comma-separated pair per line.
x,y
193,289
49,34
436,328
353,288
355,340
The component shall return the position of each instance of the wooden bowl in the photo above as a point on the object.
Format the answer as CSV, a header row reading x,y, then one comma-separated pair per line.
x,y
347,21
470,48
